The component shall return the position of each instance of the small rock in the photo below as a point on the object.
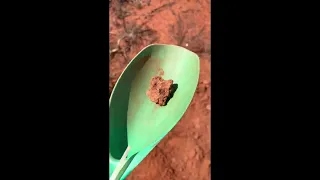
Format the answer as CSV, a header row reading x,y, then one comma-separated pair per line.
x,y
207,163
205,97
192,153
206,82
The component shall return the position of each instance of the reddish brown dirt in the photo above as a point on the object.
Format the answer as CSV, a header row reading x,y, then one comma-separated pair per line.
x,y
159,90
185,152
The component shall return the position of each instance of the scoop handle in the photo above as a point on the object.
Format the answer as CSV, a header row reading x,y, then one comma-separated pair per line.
x,y
117,172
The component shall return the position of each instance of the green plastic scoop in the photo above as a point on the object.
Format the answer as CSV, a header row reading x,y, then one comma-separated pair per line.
x,y
136,121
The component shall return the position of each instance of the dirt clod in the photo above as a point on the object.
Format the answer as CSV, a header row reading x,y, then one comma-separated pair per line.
x,y
160,90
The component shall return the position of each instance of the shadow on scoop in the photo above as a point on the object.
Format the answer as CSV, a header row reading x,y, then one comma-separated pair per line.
x,y
174,88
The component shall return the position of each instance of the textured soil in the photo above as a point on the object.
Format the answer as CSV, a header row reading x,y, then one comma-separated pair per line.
x,y
185,152
160,90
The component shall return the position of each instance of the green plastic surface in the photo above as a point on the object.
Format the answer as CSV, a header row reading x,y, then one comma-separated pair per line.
x,y
134,119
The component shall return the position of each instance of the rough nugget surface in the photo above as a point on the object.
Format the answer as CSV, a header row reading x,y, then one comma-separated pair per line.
x,y
159,90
